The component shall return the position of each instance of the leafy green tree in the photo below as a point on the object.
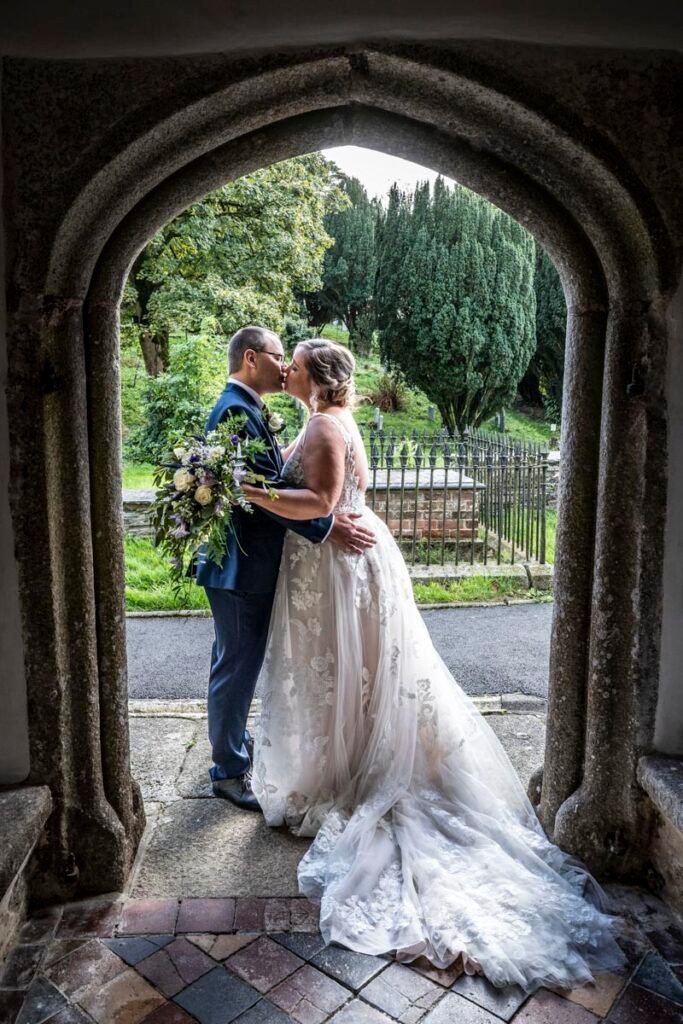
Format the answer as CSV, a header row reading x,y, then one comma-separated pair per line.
x,y
349,268
455,299
238,256
542,382
179,399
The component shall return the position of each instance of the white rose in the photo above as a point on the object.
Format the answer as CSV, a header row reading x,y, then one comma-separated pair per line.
x,y
203,495
276,422
182,480
217,451
180,453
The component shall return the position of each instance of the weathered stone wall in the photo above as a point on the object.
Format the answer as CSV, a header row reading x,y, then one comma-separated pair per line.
x,y
415,511
552,480
14,748
662,780
669,725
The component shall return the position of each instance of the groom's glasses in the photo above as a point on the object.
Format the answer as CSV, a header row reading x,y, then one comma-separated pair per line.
x,y
276,355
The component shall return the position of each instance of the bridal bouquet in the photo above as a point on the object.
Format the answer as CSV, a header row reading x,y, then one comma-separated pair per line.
x,y
198,487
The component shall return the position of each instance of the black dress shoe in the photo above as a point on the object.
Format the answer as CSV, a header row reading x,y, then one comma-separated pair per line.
x,y
238,791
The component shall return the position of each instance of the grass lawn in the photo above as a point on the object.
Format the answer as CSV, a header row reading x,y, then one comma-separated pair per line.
x,y
550,531
137,476
149,587
473,589
333,332
148,581
519,425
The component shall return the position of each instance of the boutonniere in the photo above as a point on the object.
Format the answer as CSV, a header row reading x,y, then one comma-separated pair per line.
x,y
273,420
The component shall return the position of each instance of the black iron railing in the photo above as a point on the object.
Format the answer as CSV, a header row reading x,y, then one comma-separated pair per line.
x,y
477,497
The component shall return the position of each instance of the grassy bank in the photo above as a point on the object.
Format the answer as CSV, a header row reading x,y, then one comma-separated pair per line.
x,y
149,586
137,476
476,588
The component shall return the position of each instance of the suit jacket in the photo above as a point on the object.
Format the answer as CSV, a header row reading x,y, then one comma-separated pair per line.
x,y
254,544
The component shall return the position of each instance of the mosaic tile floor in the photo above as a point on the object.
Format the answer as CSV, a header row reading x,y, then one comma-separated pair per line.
x,y
262,961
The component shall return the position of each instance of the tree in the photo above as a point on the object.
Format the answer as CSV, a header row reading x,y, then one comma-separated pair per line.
x,y
455,299
179,399
349,268
542,382
238,256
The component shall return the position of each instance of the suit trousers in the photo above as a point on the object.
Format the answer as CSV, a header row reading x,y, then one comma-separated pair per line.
x,y
241,622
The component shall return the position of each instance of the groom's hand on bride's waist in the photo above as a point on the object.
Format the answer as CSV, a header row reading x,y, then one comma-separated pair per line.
x,y
347,533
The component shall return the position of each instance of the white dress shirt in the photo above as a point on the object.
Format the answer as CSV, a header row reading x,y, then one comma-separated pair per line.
x,y
250,391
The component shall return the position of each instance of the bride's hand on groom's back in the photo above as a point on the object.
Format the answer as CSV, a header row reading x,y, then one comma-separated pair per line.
x,y
347,533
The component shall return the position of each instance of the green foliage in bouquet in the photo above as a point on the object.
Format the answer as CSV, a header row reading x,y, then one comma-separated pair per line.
x,y
198,487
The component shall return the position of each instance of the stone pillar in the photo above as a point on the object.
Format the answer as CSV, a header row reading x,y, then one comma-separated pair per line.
x,y
566,720
90,839
606,820
109,580
669,725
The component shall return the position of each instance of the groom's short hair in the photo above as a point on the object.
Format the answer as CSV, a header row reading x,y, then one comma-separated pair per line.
x,y
256,338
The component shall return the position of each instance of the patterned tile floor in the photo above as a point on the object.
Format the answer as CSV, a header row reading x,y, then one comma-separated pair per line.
x,y
262,961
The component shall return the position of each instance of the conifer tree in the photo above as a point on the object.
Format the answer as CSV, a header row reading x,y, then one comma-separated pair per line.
x,y
349,269
542,382
455,301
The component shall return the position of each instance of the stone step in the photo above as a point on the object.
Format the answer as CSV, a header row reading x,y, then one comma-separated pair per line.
x,y
23,813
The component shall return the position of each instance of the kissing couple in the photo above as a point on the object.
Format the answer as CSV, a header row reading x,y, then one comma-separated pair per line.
x,y
424,841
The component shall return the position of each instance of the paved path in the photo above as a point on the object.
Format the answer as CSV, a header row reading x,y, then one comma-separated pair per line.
x,y
489,650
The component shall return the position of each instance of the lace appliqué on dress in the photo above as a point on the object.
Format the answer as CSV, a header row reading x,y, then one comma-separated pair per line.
x,y
425,841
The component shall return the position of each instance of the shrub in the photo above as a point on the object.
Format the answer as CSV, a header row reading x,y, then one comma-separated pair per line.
x,y
389,393
295,330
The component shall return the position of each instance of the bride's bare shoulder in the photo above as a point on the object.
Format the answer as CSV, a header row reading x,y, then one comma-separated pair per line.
x,y
325,423
325,433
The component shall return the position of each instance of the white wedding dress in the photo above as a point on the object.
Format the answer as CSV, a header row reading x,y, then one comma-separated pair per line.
x,y
425,841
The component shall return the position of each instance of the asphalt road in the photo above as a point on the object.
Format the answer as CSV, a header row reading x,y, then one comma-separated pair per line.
x,y
502,649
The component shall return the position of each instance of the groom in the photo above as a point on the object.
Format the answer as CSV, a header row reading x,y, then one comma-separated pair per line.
x,y
241,592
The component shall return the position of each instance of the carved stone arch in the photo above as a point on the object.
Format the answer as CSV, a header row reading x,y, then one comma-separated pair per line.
x,y
593,226
457,106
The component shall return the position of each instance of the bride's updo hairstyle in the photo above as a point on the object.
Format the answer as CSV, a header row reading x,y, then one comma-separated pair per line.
x,y
330,367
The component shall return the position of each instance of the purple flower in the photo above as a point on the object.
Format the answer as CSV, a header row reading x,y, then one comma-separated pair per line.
x,y
207,479
180,531
235,438
194,458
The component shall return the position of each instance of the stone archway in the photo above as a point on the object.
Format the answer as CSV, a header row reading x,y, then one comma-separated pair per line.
x,y
577,196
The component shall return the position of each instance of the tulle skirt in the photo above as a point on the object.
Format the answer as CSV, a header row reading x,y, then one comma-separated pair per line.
x,y
425,841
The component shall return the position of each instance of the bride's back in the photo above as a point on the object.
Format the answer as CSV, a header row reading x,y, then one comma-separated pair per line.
x,y
360,459
356,473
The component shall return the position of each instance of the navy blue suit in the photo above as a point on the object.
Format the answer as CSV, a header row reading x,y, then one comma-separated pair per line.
x,y
241,592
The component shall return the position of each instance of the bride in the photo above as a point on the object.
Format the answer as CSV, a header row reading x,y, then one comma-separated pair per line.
x,y
425,842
